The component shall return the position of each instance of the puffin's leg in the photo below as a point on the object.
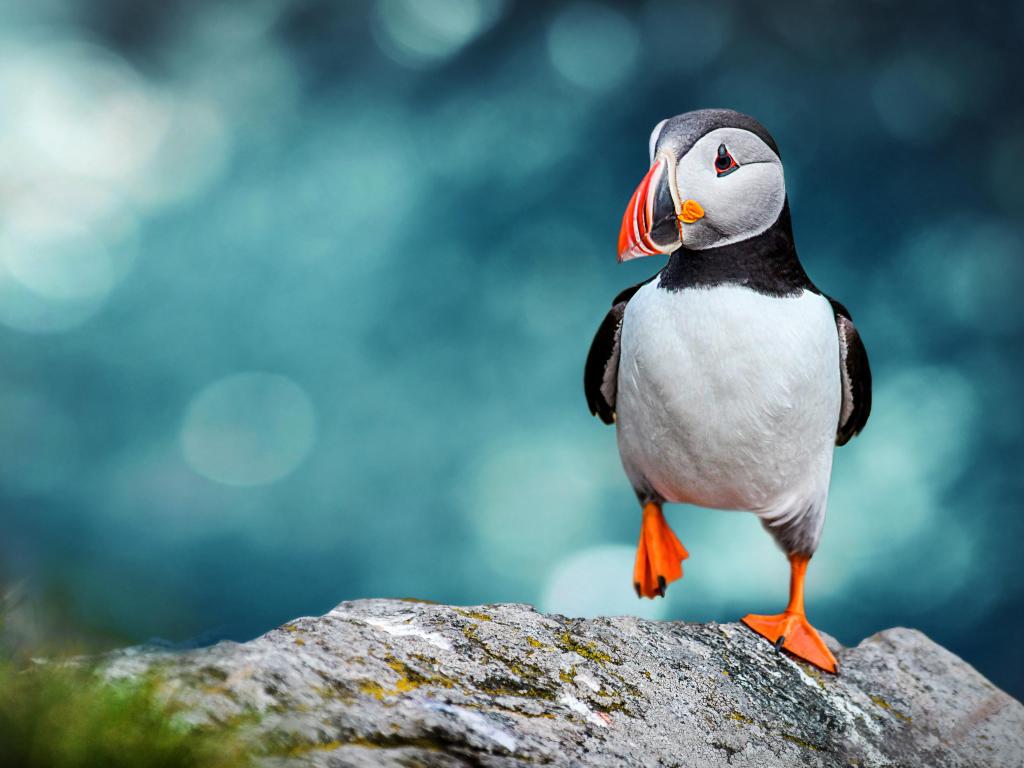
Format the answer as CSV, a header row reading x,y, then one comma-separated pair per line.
x,y
659,555
790,629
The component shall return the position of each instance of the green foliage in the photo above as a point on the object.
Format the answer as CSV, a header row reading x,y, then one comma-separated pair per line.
x,y
59,715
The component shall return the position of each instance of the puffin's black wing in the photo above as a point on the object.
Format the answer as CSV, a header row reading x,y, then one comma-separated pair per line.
x,y
600,374
855,373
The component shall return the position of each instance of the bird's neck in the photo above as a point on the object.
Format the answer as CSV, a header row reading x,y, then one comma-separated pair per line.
x,y
766,263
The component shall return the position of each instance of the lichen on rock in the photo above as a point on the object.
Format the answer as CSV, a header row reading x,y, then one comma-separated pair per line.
x,y
384,682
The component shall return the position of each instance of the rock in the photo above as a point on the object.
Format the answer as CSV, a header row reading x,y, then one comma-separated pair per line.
x,y
389,683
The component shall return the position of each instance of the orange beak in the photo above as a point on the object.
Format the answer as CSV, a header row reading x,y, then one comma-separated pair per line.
x,y
652,224
638,220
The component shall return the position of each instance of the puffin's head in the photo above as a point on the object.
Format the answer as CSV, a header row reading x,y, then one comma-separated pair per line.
x,y
716,178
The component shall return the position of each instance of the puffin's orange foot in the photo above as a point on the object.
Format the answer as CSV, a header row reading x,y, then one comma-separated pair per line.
x,y
792,631
659,555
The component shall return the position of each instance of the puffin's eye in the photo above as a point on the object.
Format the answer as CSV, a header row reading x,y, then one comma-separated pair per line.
x,y
724,162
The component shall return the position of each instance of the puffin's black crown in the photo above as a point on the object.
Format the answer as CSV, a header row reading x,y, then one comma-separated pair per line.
x,y
686,129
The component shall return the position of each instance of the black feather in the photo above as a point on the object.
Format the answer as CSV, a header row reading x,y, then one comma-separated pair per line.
x,y
855,369
604,351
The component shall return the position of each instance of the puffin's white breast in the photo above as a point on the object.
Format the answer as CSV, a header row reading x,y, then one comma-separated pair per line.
x,y
729,398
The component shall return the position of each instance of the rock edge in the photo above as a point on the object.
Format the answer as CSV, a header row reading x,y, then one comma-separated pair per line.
x,y
398,683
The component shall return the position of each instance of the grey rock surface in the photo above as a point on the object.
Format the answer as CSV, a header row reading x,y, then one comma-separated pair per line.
x,y
399,683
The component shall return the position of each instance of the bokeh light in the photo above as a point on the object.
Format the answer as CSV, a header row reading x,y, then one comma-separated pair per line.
x,y
589,583
916,98
684,36
562,497
248,429
425,32
593,46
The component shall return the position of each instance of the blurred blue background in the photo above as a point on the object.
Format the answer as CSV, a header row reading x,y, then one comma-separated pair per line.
x,y
295,298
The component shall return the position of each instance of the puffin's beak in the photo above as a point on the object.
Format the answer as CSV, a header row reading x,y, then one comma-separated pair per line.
x,y
651,223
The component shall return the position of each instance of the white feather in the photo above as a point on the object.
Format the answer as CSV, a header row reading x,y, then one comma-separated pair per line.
x,y
652,144
729,399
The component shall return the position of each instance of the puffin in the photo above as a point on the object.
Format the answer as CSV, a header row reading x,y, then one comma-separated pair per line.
x,y
729,376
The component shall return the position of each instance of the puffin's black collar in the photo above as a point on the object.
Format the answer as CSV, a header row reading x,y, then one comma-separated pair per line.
x,y
766,263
